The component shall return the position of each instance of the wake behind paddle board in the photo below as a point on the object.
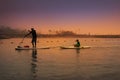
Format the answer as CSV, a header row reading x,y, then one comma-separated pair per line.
x,y
72,47
24,48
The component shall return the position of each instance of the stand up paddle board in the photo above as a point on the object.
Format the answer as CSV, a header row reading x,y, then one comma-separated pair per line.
x,y
72,47
25,48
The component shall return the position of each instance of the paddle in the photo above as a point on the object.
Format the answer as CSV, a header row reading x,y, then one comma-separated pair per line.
x,y
22,40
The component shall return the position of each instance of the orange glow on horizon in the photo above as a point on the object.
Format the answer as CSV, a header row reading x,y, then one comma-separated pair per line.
x,y
95,25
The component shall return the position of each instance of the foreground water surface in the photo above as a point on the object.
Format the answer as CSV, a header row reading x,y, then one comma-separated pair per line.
x,y
100,62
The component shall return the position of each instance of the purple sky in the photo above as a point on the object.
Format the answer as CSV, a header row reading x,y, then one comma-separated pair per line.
x,y
56,14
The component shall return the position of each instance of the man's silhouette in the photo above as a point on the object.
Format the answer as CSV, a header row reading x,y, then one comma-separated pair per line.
x,y
34,36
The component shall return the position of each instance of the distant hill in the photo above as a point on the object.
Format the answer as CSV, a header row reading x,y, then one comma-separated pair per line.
x,y
7,32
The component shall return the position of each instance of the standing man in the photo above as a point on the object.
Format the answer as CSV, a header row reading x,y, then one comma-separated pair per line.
x,y
34,36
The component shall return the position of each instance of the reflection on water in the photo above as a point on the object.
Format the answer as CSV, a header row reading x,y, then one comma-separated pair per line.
x,y
101,62
77,51
34,64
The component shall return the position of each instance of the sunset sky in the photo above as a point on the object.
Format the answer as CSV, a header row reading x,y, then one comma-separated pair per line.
x,y
80,16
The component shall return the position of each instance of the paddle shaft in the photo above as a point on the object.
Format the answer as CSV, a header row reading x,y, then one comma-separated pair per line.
x,y
22,41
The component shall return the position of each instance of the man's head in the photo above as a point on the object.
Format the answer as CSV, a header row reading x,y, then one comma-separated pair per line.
x,y
32,28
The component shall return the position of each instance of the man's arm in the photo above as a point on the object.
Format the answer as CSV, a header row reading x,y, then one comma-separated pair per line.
x,y
28,34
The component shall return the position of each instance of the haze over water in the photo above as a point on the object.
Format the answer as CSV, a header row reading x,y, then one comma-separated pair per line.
x,y
100,62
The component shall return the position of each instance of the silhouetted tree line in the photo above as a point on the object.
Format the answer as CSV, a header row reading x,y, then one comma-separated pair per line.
x,y
8,32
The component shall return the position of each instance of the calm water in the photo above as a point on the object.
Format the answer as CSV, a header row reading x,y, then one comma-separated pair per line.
x,y
101,62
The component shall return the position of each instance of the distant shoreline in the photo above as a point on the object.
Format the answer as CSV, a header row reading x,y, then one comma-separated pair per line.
x,y
64,36
8,32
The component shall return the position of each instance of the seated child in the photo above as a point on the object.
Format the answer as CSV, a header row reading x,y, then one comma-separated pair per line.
x,y
77,43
